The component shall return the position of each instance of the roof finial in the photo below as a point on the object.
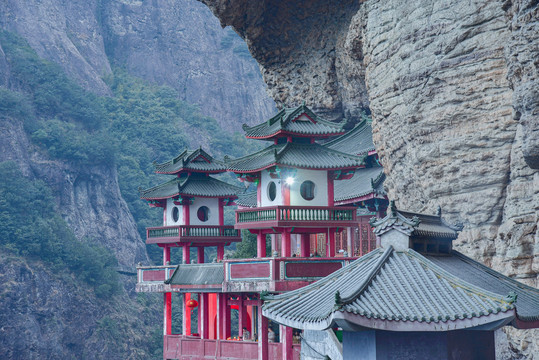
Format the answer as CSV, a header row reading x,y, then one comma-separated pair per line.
x,y
393,208
439,211
303,102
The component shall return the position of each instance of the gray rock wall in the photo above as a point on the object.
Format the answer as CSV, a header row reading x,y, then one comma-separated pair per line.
x,y
452,87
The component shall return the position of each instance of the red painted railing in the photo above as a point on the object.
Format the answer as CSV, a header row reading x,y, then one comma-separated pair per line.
x,y
296,213
186,347
192,231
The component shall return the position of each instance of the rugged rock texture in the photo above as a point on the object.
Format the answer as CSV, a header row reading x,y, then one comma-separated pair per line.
x,y
452,87
50,316
181,44
88,198
304,51
178,43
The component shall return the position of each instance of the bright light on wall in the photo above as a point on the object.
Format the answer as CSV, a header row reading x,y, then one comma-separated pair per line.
x,y
289,180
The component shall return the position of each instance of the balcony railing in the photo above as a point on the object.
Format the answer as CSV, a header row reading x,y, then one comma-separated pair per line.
x,y
296,214
187,233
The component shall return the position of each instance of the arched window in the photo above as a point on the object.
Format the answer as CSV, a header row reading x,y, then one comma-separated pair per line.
x,y
175,214
272,191
203,213
307,190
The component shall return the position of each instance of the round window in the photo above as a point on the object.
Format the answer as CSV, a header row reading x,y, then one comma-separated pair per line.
x,y
203,213
175,214
272,191
307,190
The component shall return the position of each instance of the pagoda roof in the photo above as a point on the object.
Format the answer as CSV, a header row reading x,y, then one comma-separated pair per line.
x,y
365,182
299,121
402,291
191,185
191,161
248,199
305,156
414,224
357,141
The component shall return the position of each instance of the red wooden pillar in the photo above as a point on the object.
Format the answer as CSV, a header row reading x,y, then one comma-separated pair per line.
x,y
203,315
212,316
186,328
240,317
330,245
221,213
220,252
287,342
285,244
260,245
262,335
166,255
223,317
200,254
167,318
331,191
305,246
349,242
186,254
186,213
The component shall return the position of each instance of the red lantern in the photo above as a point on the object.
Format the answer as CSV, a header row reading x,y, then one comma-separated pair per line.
x,y
192,304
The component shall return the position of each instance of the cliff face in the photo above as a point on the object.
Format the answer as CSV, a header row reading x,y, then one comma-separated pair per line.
x,y
177,43
452,87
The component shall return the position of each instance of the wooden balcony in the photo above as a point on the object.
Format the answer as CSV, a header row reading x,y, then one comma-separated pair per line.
x,y
189,347
304,216
204,235
242,275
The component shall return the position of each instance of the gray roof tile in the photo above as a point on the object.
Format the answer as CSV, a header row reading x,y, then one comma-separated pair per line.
x,y
191,160
285,121
364,182
357,141
306,156
198,274
191,185
404,287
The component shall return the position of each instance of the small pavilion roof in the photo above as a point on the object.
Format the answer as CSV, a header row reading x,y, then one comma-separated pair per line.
x,y
306,156
298,121
191,161
365,182
400,291
357,141
191,185
415,224
198,276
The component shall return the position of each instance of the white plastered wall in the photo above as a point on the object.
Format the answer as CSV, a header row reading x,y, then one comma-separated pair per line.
x,y
169,219
212,204
265,201
320,180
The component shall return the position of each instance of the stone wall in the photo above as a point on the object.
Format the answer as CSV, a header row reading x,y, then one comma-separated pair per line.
x,y
452,87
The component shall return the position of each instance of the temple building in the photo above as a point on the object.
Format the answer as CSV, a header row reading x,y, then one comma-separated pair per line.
x,y
412,298
300,195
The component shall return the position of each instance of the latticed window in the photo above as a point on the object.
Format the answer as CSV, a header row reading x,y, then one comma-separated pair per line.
x,y
366,240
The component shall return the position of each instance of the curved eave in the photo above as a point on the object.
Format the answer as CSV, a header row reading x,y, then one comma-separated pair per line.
x,y
159,198
350,320
297,134
175,172
359,198
290,166
232,196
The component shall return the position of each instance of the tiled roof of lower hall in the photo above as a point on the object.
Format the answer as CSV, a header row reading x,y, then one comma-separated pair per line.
x,y
295,121
364,182
191,160
191,185
356,141
198,274
305,156
391,290
247,199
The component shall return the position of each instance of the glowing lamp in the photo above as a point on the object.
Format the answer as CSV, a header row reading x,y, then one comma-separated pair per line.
x,y
289,180
192,304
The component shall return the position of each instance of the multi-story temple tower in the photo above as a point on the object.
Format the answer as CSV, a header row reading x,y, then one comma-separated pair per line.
x,y
296,178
